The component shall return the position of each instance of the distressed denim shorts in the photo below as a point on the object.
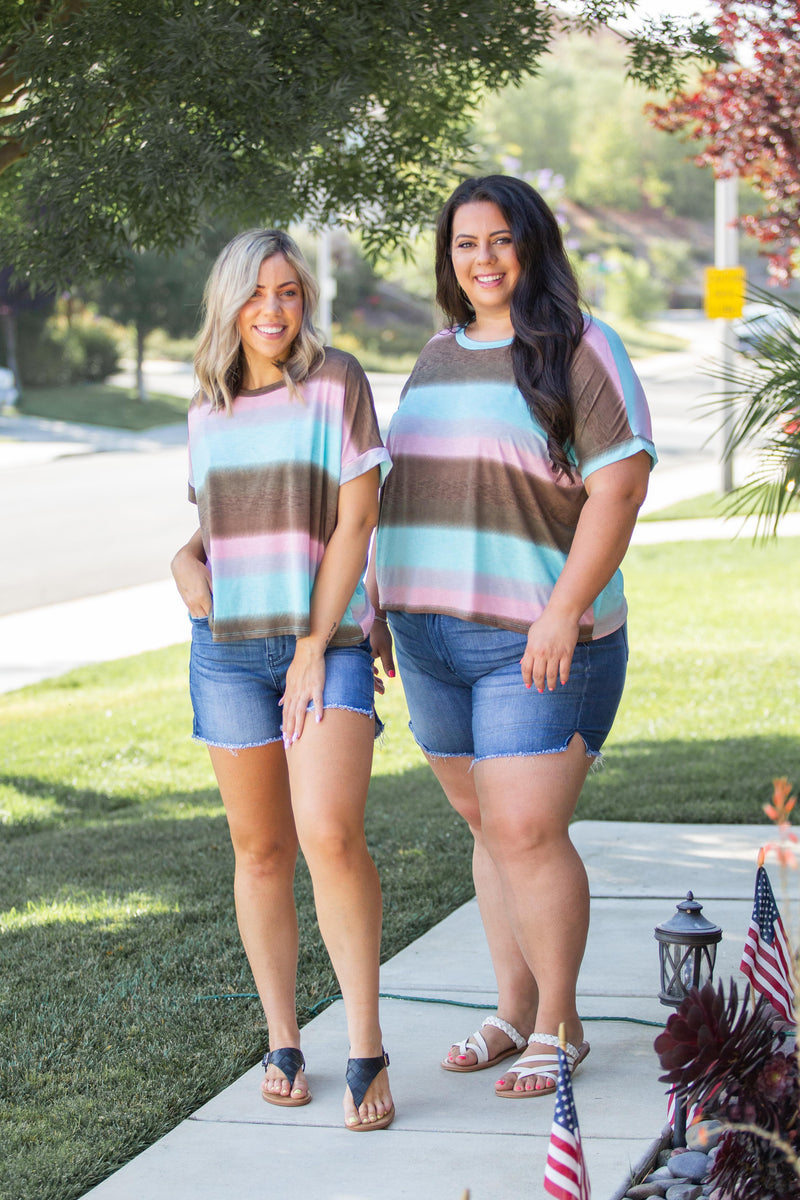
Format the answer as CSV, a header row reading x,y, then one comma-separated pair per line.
x,y
466,696
235,686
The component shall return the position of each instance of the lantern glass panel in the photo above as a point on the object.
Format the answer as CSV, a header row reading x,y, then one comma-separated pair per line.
x,y
684,967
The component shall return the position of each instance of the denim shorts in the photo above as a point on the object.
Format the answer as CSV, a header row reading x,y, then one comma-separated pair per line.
x,y
235,686
466,696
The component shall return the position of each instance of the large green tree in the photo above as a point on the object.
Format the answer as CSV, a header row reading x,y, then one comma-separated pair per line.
x,y
125,120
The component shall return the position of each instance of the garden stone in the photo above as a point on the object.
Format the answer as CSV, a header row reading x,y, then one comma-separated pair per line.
x,y
642,1191
662,1174
704,1135
692,1165
684,1191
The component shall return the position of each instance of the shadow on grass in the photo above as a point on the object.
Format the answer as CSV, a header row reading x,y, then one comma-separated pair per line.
x,y
702,781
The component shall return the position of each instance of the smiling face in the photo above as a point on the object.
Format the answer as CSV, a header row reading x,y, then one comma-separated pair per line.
x,y
270,321
484,260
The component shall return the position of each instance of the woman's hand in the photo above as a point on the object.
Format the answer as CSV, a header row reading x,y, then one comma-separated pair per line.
x,y
193,580
548,655
305,683
380,640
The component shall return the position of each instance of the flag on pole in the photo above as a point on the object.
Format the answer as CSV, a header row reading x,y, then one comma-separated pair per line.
x,y
565,1174
767,959
694,1112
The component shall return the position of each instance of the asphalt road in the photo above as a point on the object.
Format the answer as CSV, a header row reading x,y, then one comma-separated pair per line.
x,y
93,522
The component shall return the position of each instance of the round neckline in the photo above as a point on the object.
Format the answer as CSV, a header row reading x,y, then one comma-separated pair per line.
x,y
468,343
261,391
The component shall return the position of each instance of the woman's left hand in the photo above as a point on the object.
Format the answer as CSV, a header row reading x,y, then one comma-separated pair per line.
x,y
548,654
305,683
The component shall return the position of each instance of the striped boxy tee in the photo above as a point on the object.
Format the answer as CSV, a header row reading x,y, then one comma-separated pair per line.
x,y
474,521
266,483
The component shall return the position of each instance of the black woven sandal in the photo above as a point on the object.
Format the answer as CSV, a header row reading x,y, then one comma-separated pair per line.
x,y
290,1061
359,1075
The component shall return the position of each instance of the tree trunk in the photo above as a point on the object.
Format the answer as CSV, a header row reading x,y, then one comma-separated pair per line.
x,y
10,331
141,391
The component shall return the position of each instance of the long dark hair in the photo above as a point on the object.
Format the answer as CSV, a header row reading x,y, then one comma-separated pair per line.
x,y
545,309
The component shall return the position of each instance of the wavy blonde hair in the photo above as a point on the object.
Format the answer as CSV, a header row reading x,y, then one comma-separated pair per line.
x,y
219,358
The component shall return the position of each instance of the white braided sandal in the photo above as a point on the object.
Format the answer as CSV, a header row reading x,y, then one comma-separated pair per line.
x,y
477,1044
543,1065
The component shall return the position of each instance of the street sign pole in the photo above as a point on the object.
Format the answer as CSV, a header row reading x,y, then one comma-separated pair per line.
x,y
726,253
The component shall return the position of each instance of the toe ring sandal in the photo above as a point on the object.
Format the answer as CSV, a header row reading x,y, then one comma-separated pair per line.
x,y
359,1075
290,1061
477,1044
543,1065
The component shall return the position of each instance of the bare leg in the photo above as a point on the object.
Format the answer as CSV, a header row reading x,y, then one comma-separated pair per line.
x,y
526,805
329,770
516,986
255,791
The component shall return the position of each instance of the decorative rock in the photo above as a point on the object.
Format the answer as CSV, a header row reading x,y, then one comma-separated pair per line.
x,y
642,1191
704,1135
692,1165
684,1191
662,1173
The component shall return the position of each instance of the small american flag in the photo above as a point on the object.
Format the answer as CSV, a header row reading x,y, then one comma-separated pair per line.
x,y
565,1175
767,959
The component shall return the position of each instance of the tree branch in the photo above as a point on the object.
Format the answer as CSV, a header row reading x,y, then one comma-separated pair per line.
x,y
11,151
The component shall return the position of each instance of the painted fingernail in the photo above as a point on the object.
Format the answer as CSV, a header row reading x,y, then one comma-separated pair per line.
x,y
318,717
295,736
390,674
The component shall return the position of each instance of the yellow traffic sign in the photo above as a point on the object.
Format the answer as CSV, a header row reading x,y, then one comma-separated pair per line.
x,y
724,293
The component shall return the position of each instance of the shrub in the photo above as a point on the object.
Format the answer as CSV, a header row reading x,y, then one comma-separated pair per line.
x,y
101,350
55,353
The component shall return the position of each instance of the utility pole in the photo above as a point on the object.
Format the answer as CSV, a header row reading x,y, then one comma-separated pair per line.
x,y
327,285
725,299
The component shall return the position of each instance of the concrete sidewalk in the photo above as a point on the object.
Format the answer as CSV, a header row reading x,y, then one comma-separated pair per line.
x,y
451,1133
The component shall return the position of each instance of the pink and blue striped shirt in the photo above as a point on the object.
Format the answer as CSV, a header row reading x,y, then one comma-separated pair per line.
x,y
266,482
474,521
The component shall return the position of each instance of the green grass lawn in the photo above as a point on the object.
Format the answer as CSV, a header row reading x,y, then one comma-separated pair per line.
x,y
102,404
710,504
116,914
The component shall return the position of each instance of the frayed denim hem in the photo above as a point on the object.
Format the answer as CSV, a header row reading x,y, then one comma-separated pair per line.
x,y
234,749
595,755
436,753
362,712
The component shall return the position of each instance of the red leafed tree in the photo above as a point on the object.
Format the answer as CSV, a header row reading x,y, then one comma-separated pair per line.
x,y
747,115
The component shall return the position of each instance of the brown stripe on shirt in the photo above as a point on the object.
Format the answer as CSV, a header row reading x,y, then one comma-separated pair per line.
x,y
467,493
292,496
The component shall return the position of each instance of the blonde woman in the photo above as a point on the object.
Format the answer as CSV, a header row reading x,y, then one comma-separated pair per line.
x,y
285,465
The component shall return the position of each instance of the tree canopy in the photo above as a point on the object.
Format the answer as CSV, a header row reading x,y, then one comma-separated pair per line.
x,y
747,114
128,123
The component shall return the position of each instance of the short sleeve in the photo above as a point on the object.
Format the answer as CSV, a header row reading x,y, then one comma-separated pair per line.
x,y
612,419
362,445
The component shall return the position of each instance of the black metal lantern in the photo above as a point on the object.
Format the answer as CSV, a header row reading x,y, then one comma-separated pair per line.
x,y
687,948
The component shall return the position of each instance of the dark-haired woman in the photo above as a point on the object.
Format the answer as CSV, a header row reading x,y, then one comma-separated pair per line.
x,y
521,449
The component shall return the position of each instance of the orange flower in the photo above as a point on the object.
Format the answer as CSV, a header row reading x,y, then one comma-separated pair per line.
x,y
782,802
